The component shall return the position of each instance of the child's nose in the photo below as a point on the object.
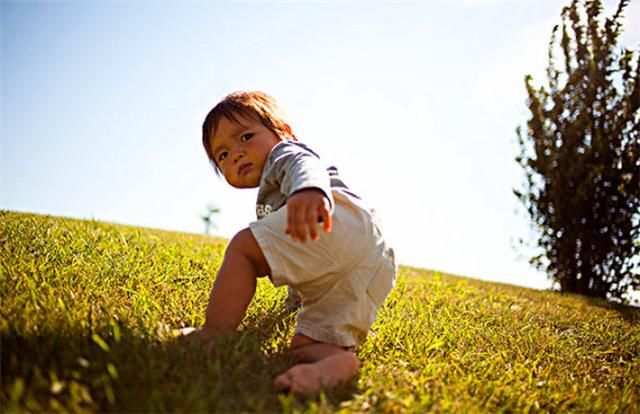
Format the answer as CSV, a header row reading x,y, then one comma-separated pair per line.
x,y
237,156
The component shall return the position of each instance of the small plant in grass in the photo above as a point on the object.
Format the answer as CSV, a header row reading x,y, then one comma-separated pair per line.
x,y
208,217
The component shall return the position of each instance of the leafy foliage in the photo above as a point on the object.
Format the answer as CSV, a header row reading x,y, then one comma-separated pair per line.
x,y
581,156
88,308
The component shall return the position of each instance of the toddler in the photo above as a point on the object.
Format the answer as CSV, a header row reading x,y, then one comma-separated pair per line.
x,y
312,234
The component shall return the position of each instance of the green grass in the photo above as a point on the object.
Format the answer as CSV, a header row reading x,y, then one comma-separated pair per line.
x,y
88,307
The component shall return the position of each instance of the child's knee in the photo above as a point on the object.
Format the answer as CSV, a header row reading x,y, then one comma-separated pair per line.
x,y
245,244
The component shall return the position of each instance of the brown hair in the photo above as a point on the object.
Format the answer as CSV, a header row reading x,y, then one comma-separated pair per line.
x,y
249,105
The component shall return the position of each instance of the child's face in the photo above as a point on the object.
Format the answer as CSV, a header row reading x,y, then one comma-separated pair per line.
x,y
241,149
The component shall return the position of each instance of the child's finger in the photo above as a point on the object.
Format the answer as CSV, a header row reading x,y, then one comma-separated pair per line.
x,y
291,224
300,225
289,227
312,223
327,220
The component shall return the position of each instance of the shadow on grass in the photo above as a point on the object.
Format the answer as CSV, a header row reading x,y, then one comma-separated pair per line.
x,y
121,369
630,314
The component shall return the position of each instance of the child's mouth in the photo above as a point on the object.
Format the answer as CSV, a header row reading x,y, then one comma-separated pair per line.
x,y
244,168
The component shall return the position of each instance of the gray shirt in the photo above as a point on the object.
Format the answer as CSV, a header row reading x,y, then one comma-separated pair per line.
x,y
292,166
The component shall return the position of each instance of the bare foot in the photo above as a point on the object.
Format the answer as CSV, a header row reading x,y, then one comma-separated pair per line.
x,y
328,372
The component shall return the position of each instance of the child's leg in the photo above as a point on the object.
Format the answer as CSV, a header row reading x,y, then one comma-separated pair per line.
x,y
320,365
235,285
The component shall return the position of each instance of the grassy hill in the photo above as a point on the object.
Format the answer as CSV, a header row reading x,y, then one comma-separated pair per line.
x,y
88,308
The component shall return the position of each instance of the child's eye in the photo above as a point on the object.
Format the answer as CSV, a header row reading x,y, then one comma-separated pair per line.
x,y
222,155
246,137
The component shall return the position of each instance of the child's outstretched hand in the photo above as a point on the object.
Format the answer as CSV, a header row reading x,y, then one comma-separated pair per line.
x,y
305,209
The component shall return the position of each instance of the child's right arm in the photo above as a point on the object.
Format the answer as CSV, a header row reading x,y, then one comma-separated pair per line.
x,y
304,180
305,208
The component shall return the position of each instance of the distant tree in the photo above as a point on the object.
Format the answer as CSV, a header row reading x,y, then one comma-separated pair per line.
x,y
207,218
581,157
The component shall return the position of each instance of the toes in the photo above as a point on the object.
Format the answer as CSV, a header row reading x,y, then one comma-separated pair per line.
x,y
282,382
302,388
300,379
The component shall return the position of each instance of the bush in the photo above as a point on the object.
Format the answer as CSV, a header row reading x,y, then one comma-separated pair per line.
x,y
581,156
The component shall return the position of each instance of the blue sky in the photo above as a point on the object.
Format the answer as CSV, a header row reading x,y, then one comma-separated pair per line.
x,y
415,103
